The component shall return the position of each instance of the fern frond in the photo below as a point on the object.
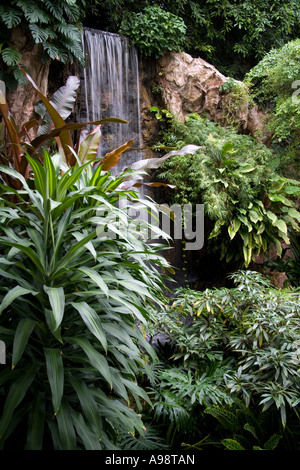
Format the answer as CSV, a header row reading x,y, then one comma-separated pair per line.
x,y
10,16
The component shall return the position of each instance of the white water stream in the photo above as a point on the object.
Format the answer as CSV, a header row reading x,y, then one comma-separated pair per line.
x,y
111,89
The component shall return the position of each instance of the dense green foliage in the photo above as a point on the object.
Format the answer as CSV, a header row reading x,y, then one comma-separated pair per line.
x,y
234,356
233,35
53,24
154,31
236,178
275,85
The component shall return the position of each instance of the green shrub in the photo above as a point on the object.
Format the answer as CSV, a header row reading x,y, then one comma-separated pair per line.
x,y
154,31
54,25
275,83
71,299
248,203
235,357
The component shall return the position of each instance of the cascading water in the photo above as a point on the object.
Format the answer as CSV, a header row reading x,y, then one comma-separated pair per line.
x,y
111,89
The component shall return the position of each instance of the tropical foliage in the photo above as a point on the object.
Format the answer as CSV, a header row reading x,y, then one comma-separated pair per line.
x,y
249,204
233,35
235,357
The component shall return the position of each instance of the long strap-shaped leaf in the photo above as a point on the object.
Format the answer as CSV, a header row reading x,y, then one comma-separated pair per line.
x,y
23,331
55,371
97,360
88,404
36,424
92,321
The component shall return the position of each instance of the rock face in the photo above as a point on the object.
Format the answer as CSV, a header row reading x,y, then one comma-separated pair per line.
x,y
23,99
191,85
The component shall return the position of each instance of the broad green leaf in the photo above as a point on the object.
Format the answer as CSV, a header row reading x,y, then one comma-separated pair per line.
x,y
36,423
272,443
16,292
65,426
232,444
57,301
255,216
281,225
233,228
55,372
92,321
89,147
15,395
294,214
23,331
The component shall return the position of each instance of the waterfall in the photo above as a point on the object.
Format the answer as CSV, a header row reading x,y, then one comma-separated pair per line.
x,y
111,89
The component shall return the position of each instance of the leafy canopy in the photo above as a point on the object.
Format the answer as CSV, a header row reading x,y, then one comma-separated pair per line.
x,y
154,31
231,34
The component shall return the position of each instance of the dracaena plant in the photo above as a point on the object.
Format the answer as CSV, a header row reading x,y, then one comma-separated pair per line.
x,y
73,304
15,142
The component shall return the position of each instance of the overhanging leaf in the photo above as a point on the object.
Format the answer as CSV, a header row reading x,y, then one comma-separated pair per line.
x,y
111,159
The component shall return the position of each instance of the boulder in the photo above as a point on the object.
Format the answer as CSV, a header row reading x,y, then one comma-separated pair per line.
x,y
192,85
